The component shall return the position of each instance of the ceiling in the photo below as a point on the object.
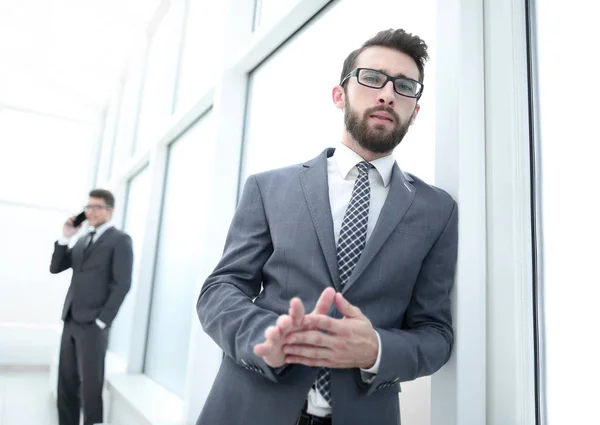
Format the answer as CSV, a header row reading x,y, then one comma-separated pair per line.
x,y
65,57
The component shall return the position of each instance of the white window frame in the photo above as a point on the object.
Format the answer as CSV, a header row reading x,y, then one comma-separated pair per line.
x,y
510,329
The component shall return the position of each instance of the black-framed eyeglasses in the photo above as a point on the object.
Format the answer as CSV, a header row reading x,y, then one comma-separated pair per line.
x,y
376,79
96,207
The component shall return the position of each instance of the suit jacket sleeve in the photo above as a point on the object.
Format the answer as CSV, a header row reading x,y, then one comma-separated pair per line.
x,y
424,343
225,305
61,258
122,264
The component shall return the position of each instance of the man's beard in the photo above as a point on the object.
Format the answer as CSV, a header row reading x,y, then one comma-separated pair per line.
x,y
377,139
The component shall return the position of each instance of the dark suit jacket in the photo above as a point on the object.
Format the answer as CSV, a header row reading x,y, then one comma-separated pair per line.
x,y
282,238
101,276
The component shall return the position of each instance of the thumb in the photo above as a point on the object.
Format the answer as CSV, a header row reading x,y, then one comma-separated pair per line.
x,y
325,301
347,309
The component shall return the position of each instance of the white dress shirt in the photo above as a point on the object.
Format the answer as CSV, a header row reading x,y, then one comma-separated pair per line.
x,y
64,240
341,176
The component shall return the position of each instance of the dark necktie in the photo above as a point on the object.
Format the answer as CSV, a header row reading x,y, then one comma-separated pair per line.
x,y
90,241
352,240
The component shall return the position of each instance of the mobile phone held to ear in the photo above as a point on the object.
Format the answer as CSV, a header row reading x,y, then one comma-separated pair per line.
x,y
79,219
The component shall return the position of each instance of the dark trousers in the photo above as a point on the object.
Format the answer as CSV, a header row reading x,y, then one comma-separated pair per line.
x,y
81,373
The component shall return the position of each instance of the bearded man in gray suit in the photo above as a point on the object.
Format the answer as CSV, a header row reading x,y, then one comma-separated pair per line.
x,y
367,249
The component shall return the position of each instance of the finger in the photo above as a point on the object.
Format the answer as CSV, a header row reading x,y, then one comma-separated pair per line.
x,y
325,323
347,309
325,301
313,337
296,311
273,340
308,351
273,335
308,361
262,350
266,349
285,324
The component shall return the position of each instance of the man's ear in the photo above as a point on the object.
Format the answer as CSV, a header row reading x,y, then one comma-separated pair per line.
x,y
415,113
339,97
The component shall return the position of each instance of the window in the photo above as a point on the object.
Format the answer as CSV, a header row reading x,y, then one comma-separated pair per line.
x,y
180,244
129,110
202,45
106,163
157,94
568,152
268,11
138,190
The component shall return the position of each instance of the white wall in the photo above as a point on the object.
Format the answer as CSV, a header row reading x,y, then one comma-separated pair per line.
x,y
45,165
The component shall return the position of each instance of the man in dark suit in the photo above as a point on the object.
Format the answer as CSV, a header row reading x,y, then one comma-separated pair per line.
x,y
369,249
102,263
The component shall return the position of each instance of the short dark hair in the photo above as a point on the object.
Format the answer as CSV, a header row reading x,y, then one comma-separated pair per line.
x,y
104,194
399,40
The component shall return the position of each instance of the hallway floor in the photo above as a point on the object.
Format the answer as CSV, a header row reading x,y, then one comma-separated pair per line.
x,y
25,398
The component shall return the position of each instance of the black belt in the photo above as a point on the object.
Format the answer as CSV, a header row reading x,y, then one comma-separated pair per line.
x,y
308,419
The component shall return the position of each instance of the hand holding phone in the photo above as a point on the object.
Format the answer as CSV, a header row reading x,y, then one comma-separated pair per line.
x,y
72,224
80,218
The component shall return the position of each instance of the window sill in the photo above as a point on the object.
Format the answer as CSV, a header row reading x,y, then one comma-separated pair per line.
x,y
156,404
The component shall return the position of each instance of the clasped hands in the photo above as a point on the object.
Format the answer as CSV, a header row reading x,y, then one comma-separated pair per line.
x,y
316,339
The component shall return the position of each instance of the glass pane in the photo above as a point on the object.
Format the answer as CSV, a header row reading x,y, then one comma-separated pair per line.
x,y
44,160
203,36
129,109
158,84
269,11
295,127
181,239
109,127
568,163
138,190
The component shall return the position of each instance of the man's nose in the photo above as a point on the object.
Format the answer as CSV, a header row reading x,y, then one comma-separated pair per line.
x,y
387,95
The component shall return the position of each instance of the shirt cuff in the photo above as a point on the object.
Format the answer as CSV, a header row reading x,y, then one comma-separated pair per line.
x,y
373,370
100,324
63,240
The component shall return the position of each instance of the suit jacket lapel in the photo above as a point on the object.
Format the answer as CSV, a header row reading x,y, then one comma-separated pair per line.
x,y
399,199
313,179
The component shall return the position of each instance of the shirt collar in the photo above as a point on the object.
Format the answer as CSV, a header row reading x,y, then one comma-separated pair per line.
x,y
101,229
346,159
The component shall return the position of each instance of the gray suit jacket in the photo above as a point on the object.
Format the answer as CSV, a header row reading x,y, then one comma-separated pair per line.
x,y
101,276
282,237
